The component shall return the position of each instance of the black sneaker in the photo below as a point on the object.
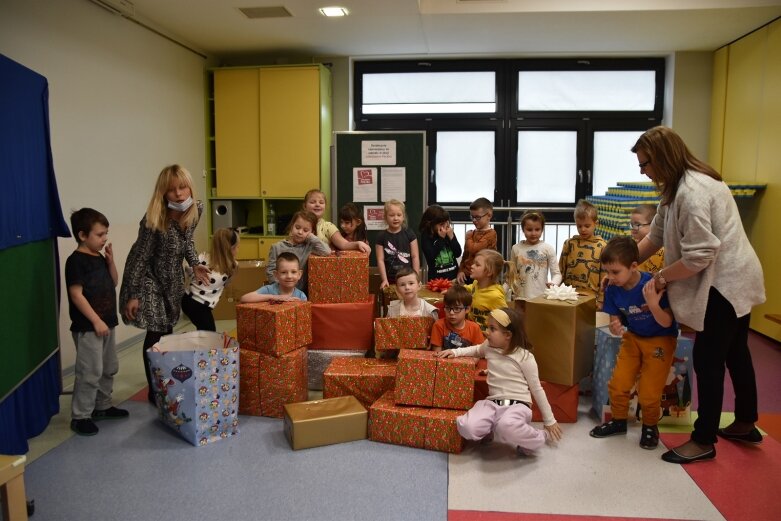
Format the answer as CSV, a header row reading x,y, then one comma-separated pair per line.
x,y
610,428
649,437
84,427
112,413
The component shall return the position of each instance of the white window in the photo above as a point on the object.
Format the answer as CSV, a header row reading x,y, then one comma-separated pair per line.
x,y
586,90
465,165
547,163
429,92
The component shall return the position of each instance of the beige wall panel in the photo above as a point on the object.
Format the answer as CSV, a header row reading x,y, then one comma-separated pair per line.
x,y
718,101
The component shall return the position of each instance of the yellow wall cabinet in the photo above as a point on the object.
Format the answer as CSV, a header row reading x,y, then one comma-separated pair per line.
x,y
270,144
745,136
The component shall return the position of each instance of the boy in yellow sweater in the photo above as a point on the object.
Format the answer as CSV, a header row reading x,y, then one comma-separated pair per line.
x,y
579,261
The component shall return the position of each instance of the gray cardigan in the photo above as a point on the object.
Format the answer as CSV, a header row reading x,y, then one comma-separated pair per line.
x,y
702,227
312,245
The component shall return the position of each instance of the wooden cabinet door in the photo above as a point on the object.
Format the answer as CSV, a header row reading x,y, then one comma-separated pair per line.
x,y
237,130
289,130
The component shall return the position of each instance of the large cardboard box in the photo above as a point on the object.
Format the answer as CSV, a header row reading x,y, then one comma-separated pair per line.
x,y
402,333
250,275
319,360
562,334
421,427
424,380
365,378
325,422
274,328
344,326
342,276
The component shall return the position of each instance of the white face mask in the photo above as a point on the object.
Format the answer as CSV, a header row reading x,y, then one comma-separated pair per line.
x,y
181,207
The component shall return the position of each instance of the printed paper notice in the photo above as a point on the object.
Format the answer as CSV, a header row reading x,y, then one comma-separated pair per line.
x,y
394,182
374,217
378,152
364,185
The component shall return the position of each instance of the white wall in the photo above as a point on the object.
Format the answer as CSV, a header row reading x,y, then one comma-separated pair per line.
x,y
124,102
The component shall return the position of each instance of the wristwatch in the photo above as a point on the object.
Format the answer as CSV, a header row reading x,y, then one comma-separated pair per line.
x,y
659,277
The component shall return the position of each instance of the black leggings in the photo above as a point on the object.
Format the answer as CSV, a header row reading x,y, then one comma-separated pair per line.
x,y
723,342
200,314
152,337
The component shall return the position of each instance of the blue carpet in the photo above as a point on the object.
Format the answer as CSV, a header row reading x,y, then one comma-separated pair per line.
x,y
140,469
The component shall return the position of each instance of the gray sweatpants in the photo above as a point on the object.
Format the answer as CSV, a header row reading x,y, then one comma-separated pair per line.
x,y
96,365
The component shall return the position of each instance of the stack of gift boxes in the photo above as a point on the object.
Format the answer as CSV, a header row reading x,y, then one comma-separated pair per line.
x,y
342,310
273,339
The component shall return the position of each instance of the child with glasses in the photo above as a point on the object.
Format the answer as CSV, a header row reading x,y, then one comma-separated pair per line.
x,y
640,225
579,262
481,238
531,260
455,330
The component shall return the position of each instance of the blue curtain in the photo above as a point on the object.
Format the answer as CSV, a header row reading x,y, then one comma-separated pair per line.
x,y
30,220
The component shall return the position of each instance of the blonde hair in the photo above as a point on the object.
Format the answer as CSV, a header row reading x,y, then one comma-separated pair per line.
x,y
585,209
310,193
494,262
221,257
395,202
157,211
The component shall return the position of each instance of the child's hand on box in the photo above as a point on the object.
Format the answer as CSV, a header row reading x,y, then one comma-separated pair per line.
x,y
447,353
616,327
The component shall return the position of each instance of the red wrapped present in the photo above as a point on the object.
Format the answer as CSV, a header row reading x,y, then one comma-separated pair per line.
x,y
423,379
402,333
421,427
282,380
340,277
274,328
481,383
563,401
343,326
454,386
415,377
365,378
439,285
249,382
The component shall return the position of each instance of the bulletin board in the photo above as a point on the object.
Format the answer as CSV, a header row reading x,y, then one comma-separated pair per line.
x,y
362,160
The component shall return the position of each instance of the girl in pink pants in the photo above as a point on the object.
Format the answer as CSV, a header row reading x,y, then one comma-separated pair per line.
x,y
513,380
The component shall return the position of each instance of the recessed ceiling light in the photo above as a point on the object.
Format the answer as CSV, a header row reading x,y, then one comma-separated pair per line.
x,y
334,11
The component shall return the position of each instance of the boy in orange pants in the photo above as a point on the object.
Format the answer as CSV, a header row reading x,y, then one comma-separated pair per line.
x,y
647,347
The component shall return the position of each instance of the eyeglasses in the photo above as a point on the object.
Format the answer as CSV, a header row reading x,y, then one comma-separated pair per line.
x,y
456,309
644,164
637,226
478,217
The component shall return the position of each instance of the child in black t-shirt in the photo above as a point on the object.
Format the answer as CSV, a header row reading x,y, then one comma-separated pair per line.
x,y
91,278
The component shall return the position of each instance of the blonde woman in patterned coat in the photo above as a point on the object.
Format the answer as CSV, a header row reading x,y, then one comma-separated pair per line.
x,y
153,280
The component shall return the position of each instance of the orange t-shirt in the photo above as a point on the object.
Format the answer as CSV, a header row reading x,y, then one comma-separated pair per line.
x,y
443,335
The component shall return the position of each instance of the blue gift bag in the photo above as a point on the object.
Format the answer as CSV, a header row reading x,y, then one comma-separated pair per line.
x,y
676,396
195,379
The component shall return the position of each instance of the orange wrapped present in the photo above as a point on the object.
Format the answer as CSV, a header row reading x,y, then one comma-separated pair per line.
x,y
249,382
343,326
274,328
402,333
282,380
425,380
340,277
421,427
365,378
563,401
454,386
415,376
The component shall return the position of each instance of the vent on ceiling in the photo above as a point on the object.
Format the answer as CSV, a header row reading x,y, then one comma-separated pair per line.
x,y
265,12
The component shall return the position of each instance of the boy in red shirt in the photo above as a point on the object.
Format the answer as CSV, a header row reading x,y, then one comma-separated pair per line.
x,y
455,330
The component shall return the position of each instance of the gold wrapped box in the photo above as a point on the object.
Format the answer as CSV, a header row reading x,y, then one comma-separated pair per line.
x,y
325,422
562,334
